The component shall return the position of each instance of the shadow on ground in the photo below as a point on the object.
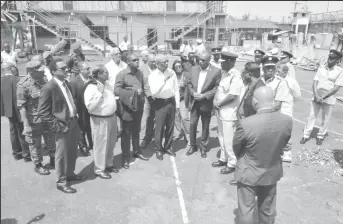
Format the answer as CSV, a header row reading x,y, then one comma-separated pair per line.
x,y
9,221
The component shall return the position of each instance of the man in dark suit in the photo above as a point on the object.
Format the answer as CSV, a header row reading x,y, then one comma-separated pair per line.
x,y
57,107
77,84
9,80
128,80
258,145
202,87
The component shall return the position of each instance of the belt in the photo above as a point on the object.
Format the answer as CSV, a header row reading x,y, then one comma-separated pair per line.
x,y
99,116
171,99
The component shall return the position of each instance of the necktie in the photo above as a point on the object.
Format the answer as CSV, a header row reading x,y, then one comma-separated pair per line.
x,y
70,97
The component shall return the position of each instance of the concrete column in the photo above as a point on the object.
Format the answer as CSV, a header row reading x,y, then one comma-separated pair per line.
x,y
216,35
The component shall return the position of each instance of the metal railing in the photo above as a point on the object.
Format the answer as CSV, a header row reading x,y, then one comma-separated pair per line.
x,y
327,17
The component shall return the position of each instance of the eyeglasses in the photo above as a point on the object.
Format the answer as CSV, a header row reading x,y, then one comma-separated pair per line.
x,y
63,68
135,60
178,67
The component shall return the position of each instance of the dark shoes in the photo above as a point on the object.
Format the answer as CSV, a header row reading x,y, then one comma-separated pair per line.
x,y
18,157
219,164
27,159
203,153
304,140
139,155
319,141
112,169
103,175
66,189
126,164
41,170
191,150
159,155
170,152
85,151
227,170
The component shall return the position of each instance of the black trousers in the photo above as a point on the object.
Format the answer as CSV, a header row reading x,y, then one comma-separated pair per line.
x,y
19,145
265,206
131,128
165,119
196,113
86,132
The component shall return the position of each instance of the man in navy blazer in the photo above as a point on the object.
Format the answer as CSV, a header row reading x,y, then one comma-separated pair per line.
x,y
202,86
57,107
258,145
9,80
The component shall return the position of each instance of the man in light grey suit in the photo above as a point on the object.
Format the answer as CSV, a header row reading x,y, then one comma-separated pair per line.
x,y
258,145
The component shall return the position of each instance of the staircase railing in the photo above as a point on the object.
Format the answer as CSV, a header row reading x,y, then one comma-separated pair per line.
x,y
178,24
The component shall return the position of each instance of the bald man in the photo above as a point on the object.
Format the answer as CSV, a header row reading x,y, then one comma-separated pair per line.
x,y
165,91
148,119
202,88
258,145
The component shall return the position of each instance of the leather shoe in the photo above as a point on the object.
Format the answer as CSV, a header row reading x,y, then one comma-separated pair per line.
x,y
191,150
159,155
112,169
233,182
304,140
85,151
103,175
319,141
227,170
18,157
219,164
140,156
126,164
203,153
41,170
66,189
170,152
27,159
77,178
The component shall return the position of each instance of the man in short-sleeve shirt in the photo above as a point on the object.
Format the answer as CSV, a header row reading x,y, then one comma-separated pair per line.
x,y
226,102
327,81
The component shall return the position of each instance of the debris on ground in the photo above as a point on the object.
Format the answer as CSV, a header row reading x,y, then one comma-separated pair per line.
x,y
324,157
338,172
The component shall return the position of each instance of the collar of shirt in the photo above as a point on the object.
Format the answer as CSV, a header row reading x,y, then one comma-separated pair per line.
x,y
83,79
269,80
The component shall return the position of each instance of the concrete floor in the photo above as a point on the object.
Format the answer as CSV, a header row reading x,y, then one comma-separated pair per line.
x,y
156,191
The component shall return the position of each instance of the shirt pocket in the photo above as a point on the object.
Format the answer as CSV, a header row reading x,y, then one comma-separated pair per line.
x,y
35,95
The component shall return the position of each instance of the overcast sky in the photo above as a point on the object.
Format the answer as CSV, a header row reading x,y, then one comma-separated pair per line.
x,y
276,9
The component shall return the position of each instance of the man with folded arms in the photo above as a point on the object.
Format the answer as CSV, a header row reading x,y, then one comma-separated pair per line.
x,y
164,88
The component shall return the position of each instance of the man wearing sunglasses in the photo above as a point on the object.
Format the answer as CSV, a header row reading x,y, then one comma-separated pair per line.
x,y
57,107
78,85
28,93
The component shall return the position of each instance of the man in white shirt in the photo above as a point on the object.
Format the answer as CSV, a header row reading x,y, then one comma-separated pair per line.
x,y
164,88
124,44
226,102
114,66
326,83
8,55
286,58
47,59
57,107
294,92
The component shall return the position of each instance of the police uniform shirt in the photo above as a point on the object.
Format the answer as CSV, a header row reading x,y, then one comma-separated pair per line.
x,y
232,84
327,79
279,87
293,93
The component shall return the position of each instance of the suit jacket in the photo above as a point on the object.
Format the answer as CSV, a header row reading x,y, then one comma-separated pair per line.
x,y
53,107
78,89
9,96
258,144
209,88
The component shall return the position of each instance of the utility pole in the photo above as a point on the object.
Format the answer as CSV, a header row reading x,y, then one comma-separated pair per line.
x,y
327,8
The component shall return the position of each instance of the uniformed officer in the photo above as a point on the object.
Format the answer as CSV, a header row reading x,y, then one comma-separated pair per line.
x,y
75,57
278,85
327,81
28,92
226,102
216,56
258,58
285,57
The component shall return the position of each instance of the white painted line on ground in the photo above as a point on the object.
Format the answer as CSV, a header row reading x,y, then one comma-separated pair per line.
x,y
305,90
179,191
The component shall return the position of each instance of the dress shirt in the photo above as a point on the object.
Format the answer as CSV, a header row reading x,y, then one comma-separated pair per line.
x,y
293,93
231,84
47,73
202,78
11,57
97,103
113,70
170,87
65,94
327,79
279,87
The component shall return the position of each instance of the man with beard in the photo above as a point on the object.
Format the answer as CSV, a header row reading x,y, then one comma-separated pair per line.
x,y
28,93
226,102
78,85
327,81
164,88
202,86
148,119
130,84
